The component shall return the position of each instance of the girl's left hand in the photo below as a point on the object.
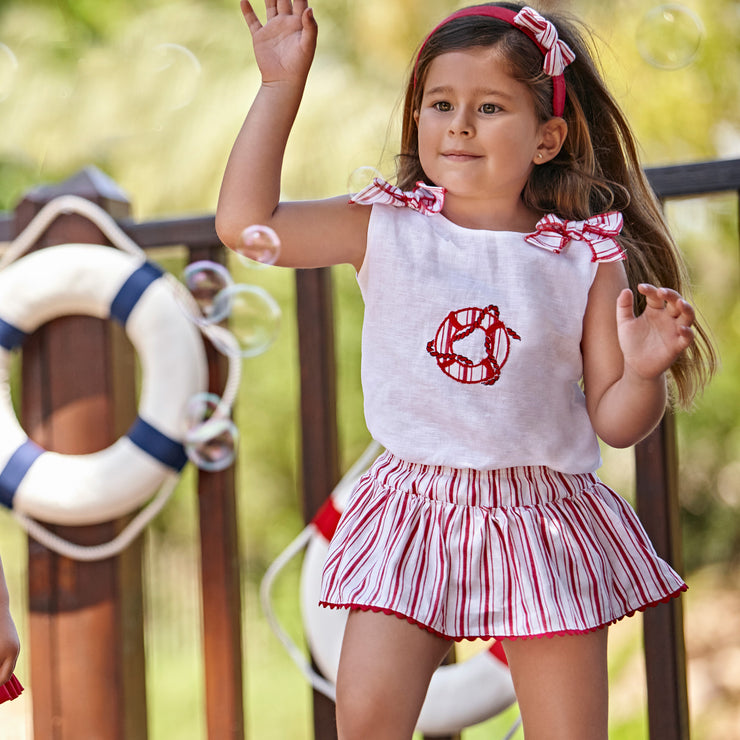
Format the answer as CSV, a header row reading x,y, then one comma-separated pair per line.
x,y
9,646
652,341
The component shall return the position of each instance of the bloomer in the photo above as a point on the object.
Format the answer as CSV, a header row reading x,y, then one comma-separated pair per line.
x,y
515,552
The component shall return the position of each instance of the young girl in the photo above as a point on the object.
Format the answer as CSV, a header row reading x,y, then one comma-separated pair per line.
x,y
499,340
10,687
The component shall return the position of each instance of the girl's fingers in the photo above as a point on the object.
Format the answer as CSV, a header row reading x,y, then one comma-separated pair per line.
x,y
670,300
284,7
653,296
681,310
253,22
277,7
6,670
625,311
309,25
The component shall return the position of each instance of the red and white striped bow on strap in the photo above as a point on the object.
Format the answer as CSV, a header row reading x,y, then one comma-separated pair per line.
x,y
553,233
426,199
558,55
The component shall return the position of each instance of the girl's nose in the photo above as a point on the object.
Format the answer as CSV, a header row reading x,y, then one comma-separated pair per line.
x,y
461,125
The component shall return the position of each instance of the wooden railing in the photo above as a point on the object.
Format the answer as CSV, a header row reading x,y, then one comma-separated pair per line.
x,y
94,610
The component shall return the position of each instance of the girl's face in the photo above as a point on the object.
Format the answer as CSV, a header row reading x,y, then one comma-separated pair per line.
x,y
478,134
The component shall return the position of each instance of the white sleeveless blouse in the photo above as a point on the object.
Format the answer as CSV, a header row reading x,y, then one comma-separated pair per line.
x,y
471,339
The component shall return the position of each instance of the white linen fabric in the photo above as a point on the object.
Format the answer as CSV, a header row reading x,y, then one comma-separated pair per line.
x,y
499,384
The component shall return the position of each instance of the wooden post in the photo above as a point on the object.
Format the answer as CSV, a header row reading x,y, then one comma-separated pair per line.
x,y
665,655
320,447
221,587
320,457
86,619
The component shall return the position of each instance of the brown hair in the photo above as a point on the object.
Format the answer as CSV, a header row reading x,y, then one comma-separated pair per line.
x,y
596,170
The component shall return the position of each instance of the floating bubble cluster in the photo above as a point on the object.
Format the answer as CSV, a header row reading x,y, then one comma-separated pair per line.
x,y
669,36
253,315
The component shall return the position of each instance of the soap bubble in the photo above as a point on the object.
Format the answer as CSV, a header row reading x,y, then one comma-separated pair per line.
x,y
210,439
212,445
175,71
205,280
360,179
254,318
669,36
200,408
260,245
8,71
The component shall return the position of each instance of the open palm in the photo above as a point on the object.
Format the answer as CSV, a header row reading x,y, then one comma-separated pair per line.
x,y
652,341
284,46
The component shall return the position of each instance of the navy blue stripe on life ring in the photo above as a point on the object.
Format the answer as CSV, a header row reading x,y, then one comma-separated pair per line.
x,y
157,445
11,336
128,296
15,470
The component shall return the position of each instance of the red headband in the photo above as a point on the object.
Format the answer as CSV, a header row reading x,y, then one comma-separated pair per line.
x,y
558,55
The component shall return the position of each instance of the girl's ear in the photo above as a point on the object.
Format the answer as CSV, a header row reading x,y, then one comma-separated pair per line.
x,y
552,137
416,117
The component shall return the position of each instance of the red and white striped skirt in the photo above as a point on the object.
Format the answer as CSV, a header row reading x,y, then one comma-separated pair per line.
x,y
515,552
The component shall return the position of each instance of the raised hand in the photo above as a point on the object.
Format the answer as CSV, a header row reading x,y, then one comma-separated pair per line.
x,y
9,647
652,341
284,46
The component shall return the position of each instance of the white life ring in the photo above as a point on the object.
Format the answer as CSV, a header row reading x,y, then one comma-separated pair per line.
x,y
459,696
106,283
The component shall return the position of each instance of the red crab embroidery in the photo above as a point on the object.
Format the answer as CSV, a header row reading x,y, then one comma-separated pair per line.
x,y
461,324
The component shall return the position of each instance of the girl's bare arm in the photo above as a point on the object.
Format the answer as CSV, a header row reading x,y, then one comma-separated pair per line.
x,y
625,357
312,233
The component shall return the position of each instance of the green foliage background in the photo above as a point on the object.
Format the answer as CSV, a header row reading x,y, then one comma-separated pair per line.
x,y
153,92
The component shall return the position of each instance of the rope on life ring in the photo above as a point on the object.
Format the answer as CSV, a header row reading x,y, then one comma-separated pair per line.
x,y
459,695
157,314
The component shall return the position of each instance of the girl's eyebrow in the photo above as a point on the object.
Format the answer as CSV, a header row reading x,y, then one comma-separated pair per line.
x,y
448,89
438,89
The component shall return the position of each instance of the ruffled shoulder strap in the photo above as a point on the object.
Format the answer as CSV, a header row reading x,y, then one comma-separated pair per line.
x,y
599,232
426,199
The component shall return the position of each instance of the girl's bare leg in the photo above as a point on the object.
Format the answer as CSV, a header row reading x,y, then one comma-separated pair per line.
x,y
384,672
561,686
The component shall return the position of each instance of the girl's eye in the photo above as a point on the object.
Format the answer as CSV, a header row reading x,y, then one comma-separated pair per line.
x,y
488,108
442,106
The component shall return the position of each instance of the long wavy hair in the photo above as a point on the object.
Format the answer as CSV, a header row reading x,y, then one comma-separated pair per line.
x,y
597,169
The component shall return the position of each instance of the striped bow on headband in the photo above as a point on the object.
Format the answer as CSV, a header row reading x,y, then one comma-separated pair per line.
x,y
558,55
